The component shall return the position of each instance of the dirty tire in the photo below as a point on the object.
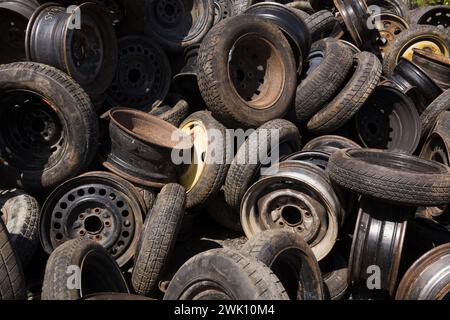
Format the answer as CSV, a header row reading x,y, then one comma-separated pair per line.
x,y
158,239
99,271
12,280
320,86
225,273
400,179
393,55
239,6
351,98
303,5
430,115
217,87
321,24
80,123
148,195
336,279
300,13
216,164
174,114
243,172
292,261
22,212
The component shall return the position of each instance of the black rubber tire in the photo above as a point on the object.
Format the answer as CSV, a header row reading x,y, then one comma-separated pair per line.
x,y
397,7
218,91
335,276
22,211
351,98
148,196
303,5
430,115
228,270
292,261
81,125
12,280
320,86
103,273
321,24
393,177
243,172
219,210
300,13
158,238
174,110
216,165
393,55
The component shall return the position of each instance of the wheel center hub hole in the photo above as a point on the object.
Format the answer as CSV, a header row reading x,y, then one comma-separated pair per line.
x,y
292,215
93,224
134,75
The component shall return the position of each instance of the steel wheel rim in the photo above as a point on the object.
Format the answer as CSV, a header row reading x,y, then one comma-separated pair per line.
x,y
142,79
251,81
390,26
425,42
99,206
34,129
321,192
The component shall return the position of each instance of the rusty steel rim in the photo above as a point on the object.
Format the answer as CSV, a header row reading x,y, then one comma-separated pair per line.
x,y
256,71
99,206
390,27
222,10
428,278
197,130
299,197
141,146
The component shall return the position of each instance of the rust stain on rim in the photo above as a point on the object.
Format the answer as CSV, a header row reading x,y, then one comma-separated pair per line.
x,y
150,129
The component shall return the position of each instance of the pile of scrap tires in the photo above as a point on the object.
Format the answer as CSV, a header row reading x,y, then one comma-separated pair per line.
x,y
224,149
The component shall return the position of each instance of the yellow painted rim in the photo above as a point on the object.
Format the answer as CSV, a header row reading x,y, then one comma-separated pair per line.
x,y
193,172
433,46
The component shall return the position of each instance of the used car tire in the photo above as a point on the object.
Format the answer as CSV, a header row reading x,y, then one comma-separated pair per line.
x,y
432,112
224,274
321,24
351,98
98,270
12,280
69,136
435,39
239,93
292,261
243,171
329,76
158,238
20,212
207,172
174,110
394,177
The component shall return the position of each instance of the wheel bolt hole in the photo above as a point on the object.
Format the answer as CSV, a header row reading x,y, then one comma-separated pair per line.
x,y
91,190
